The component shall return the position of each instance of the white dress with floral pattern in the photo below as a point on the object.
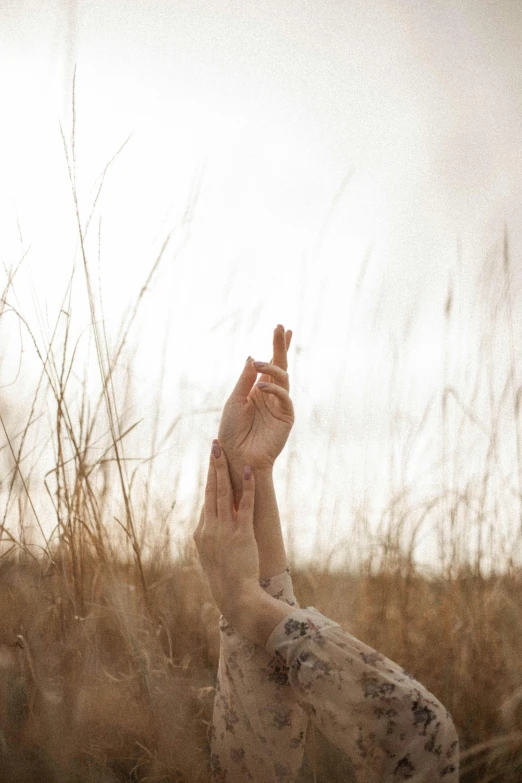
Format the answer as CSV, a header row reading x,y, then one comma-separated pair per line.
x,y
389,726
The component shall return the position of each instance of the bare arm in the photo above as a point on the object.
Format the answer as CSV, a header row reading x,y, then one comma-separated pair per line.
x,y
267,527
254,427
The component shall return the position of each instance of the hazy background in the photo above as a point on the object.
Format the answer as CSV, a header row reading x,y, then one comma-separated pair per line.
x,y
345,168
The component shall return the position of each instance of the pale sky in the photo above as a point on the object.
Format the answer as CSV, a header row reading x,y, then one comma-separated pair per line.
x,y
315,135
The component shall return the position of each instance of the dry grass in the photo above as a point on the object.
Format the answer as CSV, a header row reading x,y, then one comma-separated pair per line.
x,y
124,691
108,639
113,694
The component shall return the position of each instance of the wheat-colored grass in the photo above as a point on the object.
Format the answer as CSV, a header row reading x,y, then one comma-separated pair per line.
x,y
124,691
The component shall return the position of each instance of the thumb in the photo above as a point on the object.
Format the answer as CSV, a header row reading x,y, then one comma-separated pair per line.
x,y
245,382
245,511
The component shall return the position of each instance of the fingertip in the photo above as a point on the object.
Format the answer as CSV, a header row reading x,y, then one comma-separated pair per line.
x,y
216,449
248,368
247,473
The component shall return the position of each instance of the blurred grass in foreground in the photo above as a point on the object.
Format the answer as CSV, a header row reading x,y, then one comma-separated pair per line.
x,y
123,691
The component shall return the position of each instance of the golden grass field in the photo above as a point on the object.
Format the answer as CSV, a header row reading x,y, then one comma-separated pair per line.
x,y
108,634
98,684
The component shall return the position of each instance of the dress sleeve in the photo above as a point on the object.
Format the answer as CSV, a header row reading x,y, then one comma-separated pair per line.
x,y
387,723
258,728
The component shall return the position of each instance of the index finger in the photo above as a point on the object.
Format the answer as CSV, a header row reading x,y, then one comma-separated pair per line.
x,y
224,494
245,382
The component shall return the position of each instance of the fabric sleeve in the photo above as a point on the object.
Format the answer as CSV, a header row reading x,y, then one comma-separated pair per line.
x,y
259,728
391,728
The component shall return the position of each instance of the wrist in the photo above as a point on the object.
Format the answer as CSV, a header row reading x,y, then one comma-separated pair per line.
x,y
263,476
262,471
256,614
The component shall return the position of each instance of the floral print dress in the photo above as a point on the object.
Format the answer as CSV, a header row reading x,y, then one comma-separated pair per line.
x,y
388,725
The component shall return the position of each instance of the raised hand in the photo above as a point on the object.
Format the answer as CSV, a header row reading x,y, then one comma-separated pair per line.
x,y
229,554
225,538
257,419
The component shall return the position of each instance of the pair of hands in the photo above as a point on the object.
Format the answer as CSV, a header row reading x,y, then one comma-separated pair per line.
x,y
255,425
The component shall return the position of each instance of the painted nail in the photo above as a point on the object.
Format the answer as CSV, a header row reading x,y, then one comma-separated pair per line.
x,y
247,473
258,365
262,385
216,449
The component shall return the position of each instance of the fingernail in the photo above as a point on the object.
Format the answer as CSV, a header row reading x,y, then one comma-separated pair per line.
x,y
216,449
247,473
262,385
258,365
249,359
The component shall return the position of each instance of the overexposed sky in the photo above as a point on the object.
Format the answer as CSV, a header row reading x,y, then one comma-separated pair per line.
x,y
340,153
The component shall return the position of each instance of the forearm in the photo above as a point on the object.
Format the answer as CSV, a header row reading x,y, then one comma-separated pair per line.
x,y
267,523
